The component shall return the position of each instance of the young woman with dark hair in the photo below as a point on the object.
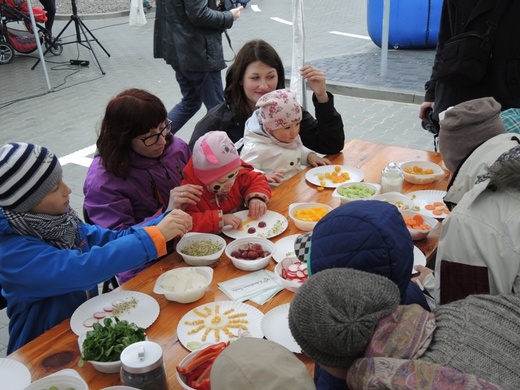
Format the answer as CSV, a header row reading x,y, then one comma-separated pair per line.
x,y
257,70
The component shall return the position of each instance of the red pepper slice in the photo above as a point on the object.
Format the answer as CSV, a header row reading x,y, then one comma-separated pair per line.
x,y
202,356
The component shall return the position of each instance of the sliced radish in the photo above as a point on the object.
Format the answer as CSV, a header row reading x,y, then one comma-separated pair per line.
x,y
300,275
108,309
293,267
99,315
117,302
89,322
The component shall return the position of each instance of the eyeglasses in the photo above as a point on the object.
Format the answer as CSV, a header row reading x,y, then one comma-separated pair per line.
x,y
153,139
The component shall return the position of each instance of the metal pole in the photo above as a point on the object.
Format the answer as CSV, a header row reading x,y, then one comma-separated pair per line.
x,y
298,53
384,38
38,44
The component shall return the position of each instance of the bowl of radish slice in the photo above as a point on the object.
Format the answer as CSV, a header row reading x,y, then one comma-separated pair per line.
x,y
291,273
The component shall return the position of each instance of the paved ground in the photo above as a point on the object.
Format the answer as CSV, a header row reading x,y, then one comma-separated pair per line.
x,y
381,109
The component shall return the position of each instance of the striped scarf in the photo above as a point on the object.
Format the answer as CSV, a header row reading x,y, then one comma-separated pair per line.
x,y
60,231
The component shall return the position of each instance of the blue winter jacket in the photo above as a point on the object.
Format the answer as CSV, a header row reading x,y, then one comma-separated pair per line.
x,y
369,236
44,285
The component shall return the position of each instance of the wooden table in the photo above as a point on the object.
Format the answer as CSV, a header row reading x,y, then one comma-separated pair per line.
x,y
58,347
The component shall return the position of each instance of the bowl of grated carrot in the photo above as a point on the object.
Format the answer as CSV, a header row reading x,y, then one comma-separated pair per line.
x,y
418,225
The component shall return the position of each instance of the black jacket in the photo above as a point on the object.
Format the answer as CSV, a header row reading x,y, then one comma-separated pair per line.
x,y
188,34
503,78
324,134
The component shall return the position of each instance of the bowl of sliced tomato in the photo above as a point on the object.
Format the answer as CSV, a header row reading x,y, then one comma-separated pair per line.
x,y
418,225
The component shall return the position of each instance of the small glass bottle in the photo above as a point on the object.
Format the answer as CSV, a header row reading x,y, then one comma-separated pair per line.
x,y
142,366
392,178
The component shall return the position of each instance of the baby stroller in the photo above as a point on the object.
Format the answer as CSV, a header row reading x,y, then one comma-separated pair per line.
x,y
22,40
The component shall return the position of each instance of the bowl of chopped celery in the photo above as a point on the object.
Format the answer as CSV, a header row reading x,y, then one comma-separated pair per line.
x,y
201,249
349,192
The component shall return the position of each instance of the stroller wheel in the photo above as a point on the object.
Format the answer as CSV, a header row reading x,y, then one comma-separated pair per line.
x,y
6,53
55,49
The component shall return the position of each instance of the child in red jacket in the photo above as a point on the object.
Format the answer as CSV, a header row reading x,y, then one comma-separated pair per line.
x,y
229,183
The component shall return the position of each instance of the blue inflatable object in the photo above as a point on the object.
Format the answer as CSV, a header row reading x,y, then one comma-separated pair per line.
x,y
414,24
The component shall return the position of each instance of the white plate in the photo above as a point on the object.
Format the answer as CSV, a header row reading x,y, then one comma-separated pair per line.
x,y
422,198
15,376
275,224
275,326
418,258
194,340
312,175
143,315
284,248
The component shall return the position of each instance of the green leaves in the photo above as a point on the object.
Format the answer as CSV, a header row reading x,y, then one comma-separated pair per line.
x,y
106,342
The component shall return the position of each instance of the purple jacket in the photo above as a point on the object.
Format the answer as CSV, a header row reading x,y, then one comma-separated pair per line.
x,y
114,203
118,204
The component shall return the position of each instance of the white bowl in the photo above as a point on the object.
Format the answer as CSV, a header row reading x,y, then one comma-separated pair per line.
x,y
193,238
250,265
372,187
416,178
420,234
291,285
62,380
188,358
306,226
184,296
402,202
104,367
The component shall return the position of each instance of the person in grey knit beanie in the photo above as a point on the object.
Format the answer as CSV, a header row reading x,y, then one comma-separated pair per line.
x,y
466,126
349,321
348,312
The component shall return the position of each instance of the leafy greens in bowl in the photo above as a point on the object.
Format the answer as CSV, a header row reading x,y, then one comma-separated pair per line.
x,y
103,345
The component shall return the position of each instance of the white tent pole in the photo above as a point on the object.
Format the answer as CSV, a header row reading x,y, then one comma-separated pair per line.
x,y
384,38
37,38
298,53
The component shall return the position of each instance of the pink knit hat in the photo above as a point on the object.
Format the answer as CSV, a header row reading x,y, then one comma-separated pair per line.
x,y
214,155
279,109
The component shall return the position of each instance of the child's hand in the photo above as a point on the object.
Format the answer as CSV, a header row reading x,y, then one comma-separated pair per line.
x,y
182,196
257,208
275,177
232,220
314,160
176,223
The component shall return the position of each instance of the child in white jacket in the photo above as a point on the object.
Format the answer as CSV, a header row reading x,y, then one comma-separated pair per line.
x,y
271,138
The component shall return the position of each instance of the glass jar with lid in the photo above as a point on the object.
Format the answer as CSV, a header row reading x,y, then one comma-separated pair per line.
x,y
142,366
392,178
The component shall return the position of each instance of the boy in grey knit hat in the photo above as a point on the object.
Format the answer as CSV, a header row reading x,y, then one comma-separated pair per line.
x,y
350,322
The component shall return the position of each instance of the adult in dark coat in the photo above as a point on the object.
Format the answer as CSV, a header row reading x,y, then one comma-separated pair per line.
x,y
502,80
188,36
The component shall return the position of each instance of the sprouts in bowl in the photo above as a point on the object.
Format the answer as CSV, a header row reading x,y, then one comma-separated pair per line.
x,y
201,249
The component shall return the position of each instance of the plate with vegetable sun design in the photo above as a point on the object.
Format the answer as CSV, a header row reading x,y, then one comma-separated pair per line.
x,y
269,225
332,176
132,306
219,321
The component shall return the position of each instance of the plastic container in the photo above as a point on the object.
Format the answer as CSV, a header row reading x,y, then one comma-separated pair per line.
x,y
142,366
413,24
392,179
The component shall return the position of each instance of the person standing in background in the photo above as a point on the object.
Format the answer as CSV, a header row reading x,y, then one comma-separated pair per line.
x,y
501,80
188,36
50,8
